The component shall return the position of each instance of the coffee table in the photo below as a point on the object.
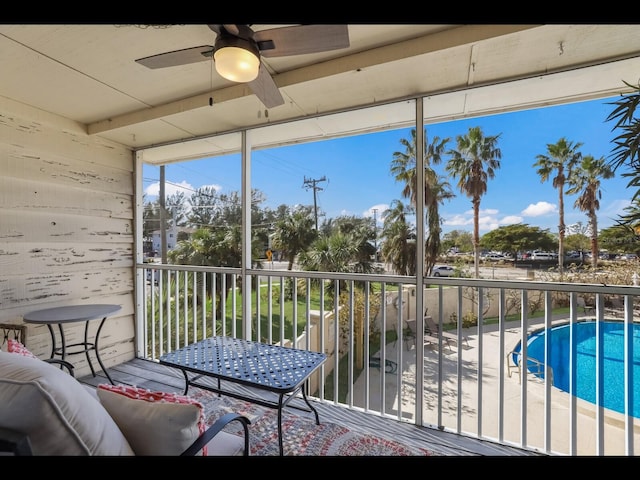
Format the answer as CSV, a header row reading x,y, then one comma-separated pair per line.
x,y
281,370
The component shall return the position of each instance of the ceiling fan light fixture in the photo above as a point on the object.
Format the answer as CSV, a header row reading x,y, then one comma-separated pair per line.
x,y
236,59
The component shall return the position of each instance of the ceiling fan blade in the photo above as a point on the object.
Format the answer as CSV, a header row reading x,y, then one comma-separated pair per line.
x,y
266,89
178,57
301,39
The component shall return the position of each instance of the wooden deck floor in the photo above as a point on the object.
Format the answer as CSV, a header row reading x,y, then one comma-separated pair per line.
x,y
151,375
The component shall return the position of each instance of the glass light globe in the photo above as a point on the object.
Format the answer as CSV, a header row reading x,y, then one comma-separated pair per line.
x,y
236,64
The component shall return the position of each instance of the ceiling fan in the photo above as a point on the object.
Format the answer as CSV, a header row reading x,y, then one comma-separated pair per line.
x,y
237,51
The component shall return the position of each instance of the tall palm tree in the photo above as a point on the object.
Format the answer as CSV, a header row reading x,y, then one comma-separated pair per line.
x,y
586,182
403,167
439,190
561,158
474,163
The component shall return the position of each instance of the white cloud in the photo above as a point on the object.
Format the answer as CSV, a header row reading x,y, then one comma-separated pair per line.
x,y
487,223
486,211
458,221
487,219
511,220
380,209
539,209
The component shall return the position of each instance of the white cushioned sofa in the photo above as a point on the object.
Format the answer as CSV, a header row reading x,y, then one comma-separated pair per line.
x,y
46,411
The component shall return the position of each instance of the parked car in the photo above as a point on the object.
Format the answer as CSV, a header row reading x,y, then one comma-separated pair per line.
x,y
442,271
495,257
540,255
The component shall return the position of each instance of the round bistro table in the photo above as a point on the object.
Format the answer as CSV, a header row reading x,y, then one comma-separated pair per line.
x,y
71,314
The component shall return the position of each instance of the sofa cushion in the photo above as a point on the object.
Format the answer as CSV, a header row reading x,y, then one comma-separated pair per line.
x,y
55,410
161,423
155,423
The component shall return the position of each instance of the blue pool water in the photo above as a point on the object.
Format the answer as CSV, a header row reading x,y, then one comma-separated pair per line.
x,y
585,373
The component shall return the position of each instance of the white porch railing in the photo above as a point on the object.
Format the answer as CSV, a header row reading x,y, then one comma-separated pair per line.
x,y
464,387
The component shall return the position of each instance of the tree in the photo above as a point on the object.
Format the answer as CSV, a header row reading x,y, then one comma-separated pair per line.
x,y
399,246
439,190
585,181
176,206
459,239
620,238
294,234
333,253
578,242
561,157
627,145
474,163
436,188
204,207
211,247
516,238
361,233
575,228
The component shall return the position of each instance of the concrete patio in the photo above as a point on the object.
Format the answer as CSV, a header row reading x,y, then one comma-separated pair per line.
x,y
489,422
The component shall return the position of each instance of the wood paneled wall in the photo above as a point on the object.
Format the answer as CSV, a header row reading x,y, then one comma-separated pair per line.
x,y
66,228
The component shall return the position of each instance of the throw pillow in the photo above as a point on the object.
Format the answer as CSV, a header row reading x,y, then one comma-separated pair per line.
x,y
55,410
14,346
155,423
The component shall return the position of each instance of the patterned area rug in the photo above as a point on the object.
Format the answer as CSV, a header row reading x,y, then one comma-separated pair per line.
x,y
301,436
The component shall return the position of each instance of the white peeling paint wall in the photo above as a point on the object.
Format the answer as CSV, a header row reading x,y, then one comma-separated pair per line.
x,y
66,228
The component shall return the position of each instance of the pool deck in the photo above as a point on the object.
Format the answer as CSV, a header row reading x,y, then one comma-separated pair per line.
x,y
586,432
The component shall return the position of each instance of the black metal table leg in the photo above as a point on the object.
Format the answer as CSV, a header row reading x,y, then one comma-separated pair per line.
x,y
53,340
88,346
280,442
97,350
63,342
306,400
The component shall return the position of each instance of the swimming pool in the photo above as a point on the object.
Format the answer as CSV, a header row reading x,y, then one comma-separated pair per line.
x,y
613,361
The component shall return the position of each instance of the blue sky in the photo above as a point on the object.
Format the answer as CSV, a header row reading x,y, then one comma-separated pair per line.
x,y
357,179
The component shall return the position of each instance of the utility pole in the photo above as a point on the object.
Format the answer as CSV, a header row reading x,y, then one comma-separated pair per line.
x,y
313,183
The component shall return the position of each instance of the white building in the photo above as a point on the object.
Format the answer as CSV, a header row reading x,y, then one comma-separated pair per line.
x,y
171,238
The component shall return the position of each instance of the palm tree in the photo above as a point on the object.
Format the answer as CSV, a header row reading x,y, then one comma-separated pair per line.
x,y
561,157
361,234
627,146
586,182
333,253
474,162
211,247
436,190
439,190
399,247
294,234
